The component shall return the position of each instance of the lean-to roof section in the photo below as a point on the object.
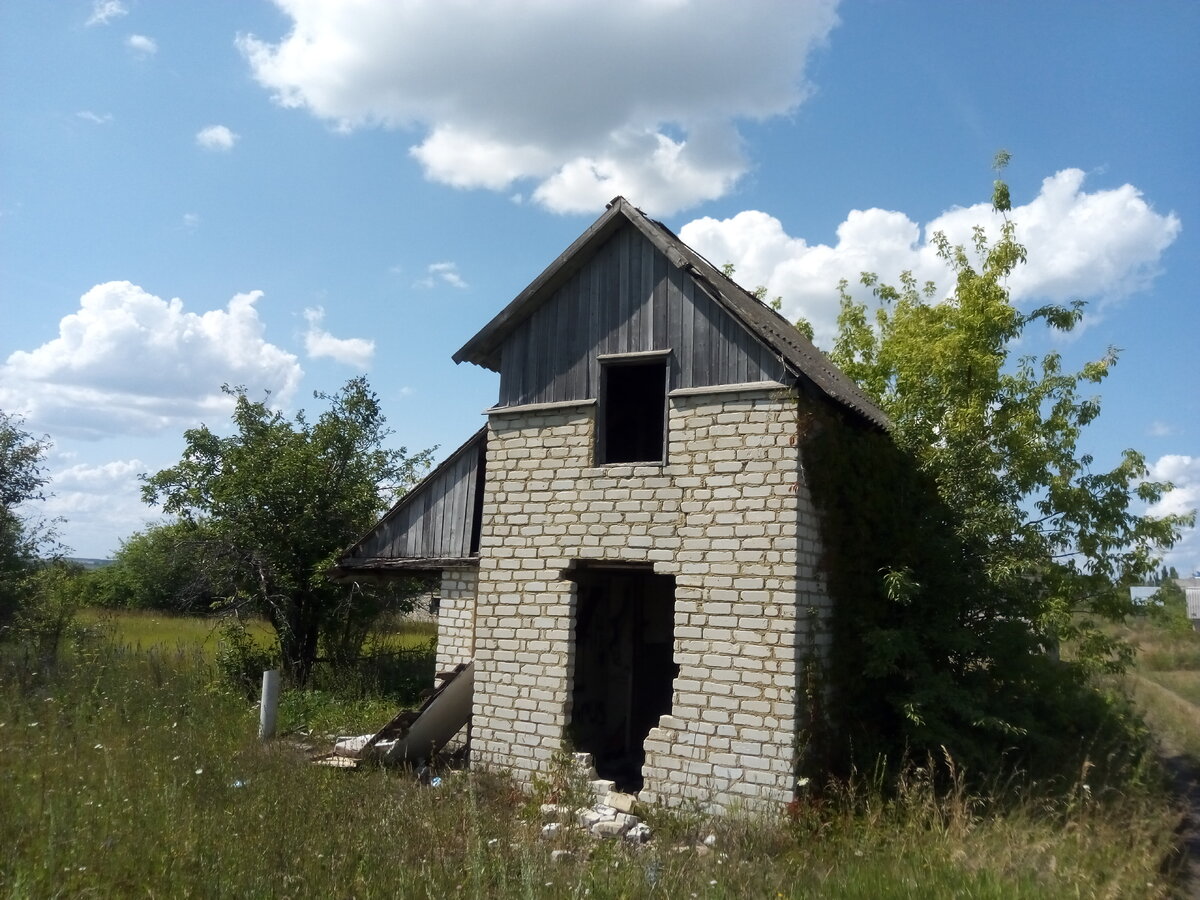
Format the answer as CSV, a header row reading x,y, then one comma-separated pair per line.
x,y
435,525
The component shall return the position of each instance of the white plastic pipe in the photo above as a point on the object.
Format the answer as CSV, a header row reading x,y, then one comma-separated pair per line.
x,y
269,705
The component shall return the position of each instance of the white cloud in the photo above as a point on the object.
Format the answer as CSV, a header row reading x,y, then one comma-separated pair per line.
x,y
216,137
1103,245
582,101
1162,429
97,502
318,342
129,362
191,221
1184,473
95,118
441,273
139,43
104,11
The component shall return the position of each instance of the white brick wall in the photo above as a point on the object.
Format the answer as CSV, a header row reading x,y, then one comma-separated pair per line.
x,y
728,515
456,618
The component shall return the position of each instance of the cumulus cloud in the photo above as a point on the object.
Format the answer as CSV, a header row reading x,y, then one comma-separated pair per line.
x,y
95,118
104,11
441,273
216,137
97,501
1103,245
318,342
139,43
1184,473
129,362
572,102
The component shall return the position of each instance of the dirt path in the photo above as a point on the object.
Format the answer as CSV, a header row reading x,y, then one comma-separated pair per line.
x,y
1180,765
1185,779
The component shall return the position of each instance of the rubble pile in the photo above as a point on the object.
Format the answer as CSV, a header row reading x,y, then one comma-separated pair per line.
x,y
609,815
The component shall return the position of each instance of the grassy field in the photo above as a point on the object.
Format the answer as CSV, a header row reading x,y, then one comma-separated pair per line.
x,y
155,630
127,768
1165,684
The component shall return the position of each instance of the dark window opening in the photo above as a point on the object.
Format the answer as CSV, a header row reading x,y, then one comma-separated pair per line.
x,y
633,401
624,668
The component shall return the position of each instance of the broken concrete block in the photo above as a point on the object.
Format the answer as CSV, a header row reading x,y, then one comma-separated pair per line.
x,y
609,828
553,812
639,833
589,817
625,820
551,830
710,841
617,800
561,855
601,786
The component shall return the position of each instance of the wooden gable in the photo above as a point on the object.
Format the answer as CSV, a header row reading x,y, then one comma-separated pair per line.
x,y
627,298
629,285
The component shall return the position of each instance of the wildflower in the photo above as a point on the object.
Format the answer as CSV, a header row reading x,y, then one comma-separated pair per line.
x,y
199,771
98,747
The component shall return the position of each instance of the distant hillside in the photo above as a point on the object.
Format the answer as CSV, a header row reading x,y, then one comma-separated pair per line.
x,y
89,563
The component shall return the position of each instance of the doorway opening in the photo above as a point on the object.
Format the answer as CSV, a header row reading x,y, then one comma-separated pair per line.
x,y
624,667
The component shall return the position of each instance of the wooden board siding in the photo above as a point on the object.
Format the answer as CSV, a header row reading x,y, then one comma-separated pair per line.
x,y
628,298
437,519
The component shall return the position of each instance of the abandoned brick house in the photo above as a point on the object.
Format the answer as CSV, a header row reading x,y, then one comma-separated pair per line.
x,y
628,550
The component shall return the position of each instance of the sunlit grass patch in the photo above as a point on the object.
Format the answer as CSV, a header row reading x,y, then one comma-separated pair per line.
x,y
1173,719
149,629
1184,683
1161,649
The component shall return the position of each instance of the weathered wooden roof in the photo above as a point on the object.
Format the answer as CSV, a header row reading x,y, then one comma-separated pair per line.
x,y
806,362
434,526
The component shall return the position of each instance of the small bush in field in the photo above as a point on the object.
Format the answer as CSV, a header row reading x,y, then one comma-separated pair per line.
x,y
240,659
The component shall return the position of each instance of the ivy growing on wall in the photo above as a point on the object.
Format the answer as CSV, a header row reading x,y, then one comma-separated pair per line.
x,y
928,654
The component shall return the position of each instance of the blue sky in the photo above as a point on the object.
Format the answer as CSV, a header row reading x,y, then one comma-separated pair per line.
x,y
287,194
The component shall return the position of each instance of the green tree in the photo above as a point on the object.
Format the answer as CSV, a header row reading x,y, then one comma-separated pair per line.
x,y
965,545
275,502
163,567
999,435
22,537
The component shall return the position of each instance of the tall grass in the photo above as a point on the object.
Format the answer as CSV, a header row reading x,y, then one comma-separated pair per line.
x,y
127,771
